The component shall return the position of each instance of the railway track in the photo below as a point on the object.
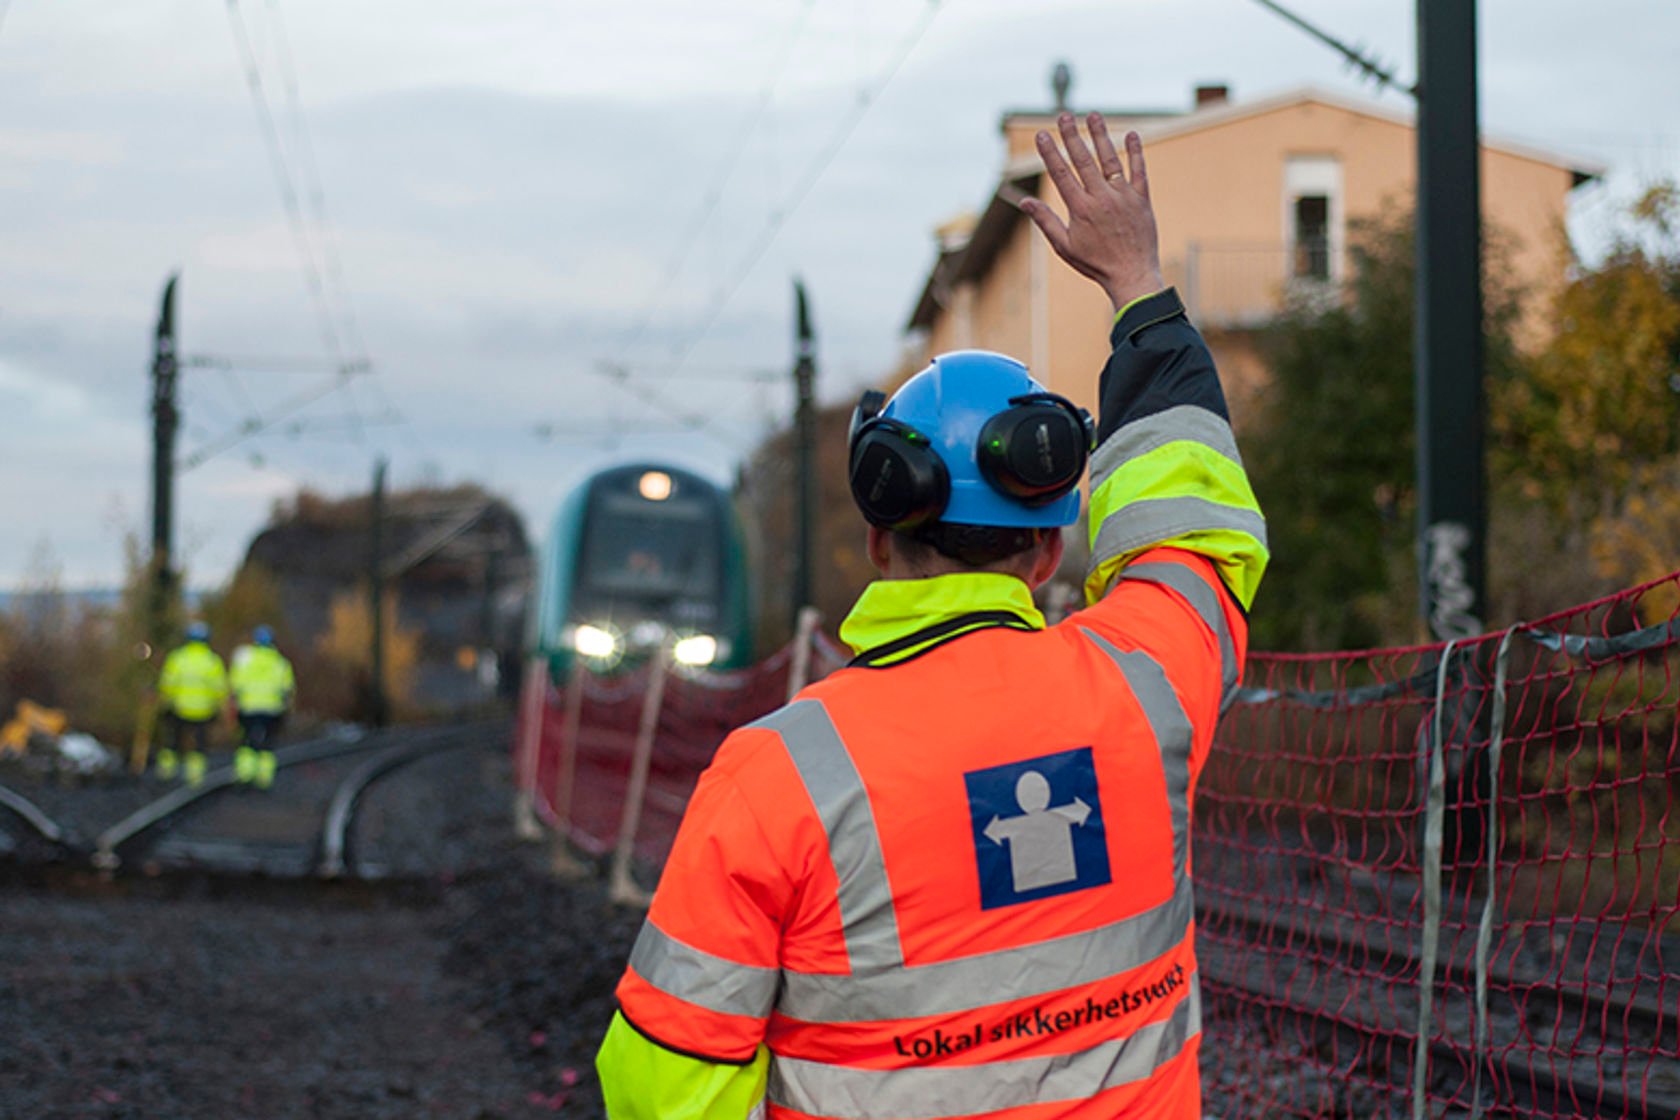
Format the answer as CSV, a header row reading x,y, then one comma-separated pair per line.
x,y
1555,1049
304,826
26,816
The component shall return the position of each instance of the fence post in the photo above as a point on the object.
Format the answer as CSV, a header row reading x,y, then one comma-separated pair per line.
x,y
799,672
561,861
1434,813
622,886
532,697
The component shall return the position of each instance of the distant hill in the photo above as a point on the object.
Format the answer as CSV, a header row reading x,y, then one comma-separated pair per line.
x,y
85,598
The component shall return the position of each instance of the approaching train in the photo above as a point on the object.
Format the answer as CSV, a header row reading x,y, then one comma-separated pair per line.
x,y
638,556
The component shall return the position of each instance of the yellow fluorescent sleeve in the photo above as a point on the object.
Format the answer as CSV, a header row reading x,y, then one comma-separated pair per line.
x,y
642,1080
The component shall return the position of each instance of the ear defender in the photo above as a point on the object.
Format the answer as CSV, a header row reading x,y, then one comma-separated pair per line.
x,y
898,480
1035,450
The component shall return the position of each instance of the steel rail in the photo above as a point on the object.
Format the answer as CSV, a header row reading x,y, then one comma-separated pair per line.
x,y
335,826
148,816
1639,1007
32,815
1537,1078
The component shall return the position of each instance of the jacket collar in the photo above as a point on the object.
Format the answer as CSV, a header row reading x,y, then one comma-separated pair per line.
x,y
897,619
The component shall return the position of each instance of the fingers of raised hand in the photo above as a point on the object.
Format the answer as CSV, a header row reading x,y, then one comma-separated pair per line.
x,y
1134,156
1107,158
1080,156
1060,174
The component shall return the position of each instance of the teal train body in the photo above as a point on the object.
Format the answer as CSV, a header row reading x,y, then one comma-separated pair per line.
x,y
638,556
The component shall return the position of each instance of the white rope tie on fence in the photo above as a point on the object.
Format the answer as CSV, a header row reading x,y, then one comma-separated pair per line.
x,y
525,825
799,673
1479,1046
561,861
1429,947
622,886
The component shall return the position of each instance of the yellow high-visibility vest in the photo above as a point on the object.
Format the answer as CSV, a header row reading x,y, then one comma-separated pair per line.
x,y
262,680
194,682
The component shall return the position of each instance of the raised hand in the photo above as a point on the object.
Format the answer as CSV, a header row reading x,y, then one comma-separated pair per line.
x,y
1110,230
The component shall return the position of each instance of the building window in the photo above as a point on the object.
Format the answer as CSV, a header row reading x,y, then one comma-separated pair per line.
x,y
1313,218
1312,237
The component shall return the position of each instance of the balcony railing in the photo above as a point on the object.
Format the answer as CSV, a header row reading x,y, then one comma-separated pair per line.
x,y
1241,285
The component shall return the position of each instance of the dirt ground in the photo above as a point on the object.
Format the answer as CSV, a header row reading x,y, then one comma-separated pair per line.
x,y
479,993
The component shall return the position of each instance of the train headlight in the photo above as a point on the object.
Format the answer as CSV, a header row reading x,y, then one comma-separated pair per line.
x,y
655,486
593,641
699,649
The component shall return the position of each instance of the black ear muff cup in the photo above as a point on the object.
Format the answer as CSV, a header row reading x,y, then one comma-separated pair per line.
x,y
1035,451
897,479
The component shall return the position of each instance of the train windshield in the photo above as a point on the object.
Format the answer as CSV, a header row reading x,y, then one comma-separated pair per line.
x,y
648,554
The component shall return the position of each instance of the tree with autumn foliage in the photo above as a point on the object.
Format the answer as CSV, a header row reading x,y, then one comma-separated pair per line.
x,y
1591,434
1583,447
1331,447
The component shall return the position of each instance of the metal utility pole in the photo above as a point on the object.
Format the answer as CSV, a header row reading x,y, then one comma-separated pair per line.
x,y
166,418
1452,508
805,441
376,584
1451,408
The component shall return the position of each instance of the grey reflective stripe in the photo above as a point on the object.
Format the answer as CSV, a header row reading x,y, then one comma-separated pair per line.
x,y
967,983
1154,520
922,1093
1173,734
1205,600
854,846
700,978
1140,437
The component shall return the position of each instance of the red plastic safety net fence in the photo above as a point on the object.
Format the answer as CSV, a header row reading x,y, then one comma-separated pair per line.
x,y
581,757
1477,845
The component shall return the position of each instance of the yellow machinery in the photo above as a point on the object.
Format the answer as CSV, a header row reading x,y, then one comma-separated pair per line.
x,y
30,719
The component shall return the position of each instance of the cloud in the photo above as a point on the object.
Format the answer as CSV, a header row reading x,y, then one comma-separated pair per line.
x,y
521,192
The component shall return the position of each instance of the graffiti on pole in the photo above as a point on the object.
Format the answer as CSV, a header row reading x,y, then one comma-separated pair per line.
x,y
1451,599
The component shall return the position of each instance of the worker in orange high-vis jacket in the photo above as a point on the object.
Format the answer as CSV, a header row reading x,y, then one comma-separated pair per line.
x,y
953,878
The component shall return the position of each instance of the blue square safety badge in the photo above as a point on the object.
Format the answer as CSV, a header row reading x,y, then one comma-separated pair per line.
x,y
1038,828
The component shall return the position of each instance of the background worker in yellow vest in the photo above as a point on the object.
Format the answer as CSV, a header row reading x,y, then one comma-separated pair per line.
x,y
262,683
953,878
193,689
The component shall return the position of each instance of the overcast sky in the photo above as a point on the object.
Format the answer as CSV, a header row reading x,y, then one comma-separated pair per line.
x,y
500,201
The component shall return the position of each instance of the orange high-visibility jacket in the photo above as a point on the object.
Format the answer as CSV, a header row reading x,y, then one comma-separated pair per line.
x,y
953,879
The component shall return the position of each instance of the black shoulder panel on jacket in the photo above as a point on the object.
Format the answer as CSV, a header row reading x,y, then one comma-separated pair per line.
x,y
1159,362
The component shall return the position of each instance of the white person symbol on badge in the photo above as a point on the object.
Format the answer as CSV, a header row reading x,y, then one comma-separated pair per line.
x,y
1040,840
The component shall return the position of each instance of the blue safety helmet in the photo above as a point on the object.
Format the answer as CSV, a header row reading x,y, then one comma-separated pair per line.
x,y
198,631
262,635
972,439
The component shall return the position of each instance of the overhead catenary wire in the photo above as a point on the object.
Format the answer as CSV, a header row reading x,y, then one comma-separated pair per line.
x,y
1356,56
713,194
326,233
284,179
319,262
813,173
693,421
256,425
779,215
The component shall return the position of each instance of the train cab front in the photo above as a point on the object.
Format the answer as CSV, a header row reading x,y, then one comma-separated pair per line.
x,y
651,572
